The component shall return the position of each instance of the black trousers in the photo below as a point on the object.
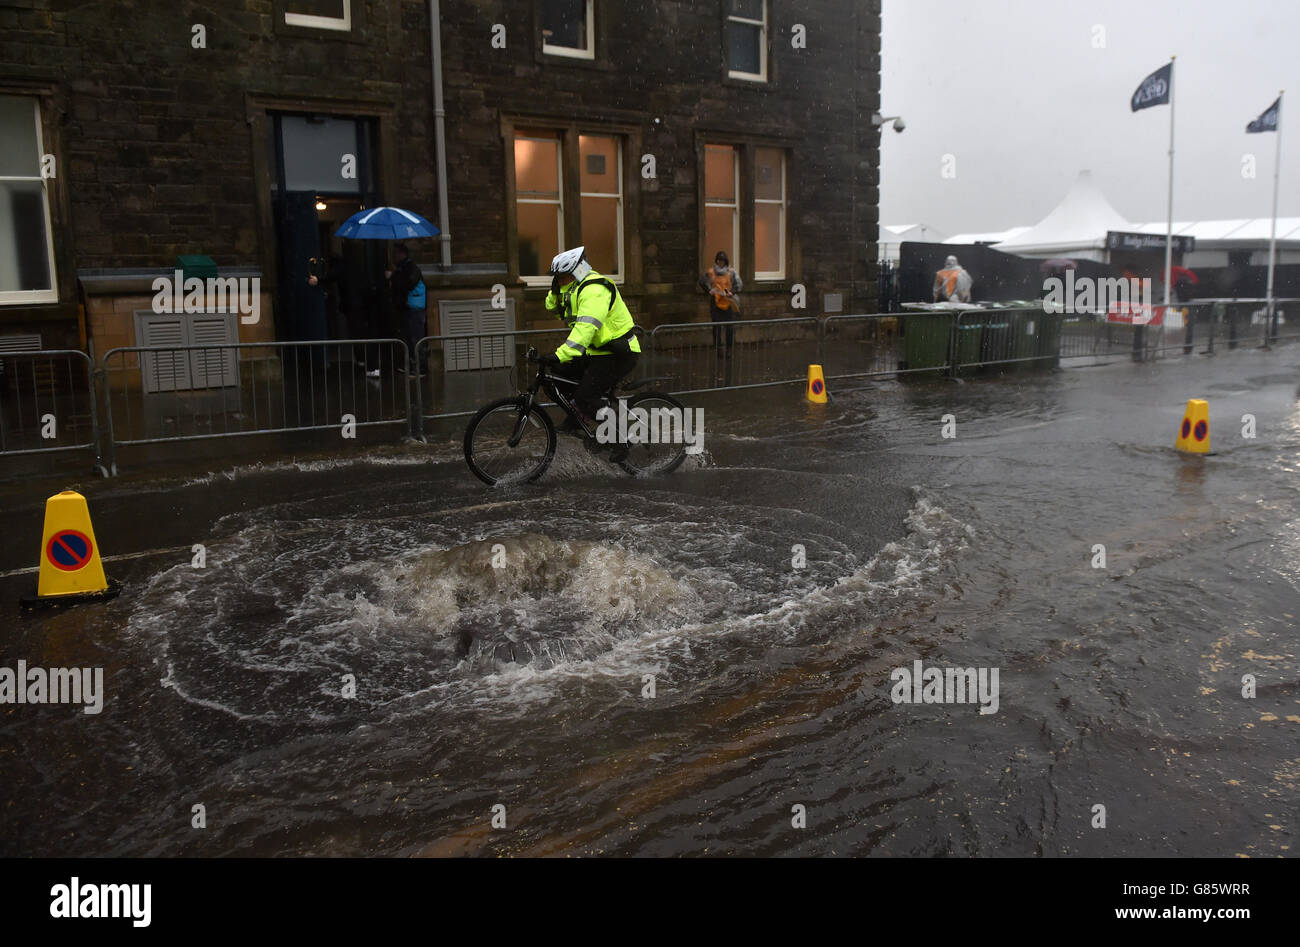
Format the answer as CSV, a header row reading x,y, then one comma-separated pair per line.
x,y
596,375
722,315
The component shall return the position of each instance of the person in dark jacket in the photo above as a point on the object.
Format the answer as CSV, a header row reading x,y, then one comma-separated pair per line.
x,y
723,285
406,283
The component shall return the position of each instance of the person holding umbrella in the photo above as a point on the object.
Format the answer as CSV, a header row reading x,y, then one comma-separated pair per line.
x,y
406,282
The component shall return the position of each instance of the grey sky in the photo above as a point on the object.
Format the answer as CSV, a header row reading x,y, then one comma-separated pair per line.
x,y
1015,90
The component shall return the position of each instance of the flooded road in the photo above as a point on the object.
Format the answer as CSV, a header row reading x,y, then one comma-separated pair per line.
x,y
668,666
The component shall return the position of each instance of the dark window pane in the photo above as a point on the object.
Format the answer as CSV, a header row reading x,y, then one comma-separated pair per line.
x,y
330,8
24,264
743,43
313,154
750,9
564,23
18,155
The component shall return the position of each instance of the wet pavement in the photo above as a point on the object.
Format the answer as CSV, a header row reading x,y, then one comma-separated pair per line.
x,y
504,643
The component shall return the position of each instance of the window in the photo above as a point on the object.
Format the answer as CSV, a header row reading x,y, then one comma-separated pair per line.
x,y
556,209
316,150
745,198
320,14
567,28
721,204
539,201
769,213
747,39
602,202
26,244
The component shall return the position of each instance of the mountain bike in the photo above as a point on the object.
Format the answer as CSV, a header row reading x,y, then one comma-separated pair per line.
x,y
513,440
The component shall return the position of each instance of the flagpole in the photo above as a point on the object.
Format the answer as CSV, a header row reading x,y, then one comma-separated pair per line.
x,y
1169,207
1272,234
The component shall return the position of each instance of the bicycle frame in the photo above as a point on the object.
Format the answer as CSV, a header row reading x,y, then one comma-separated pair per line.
x,y
546,382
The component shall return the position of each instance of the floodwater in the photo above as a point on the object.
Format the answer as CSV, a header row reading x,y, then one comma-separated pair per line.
x,y
670,666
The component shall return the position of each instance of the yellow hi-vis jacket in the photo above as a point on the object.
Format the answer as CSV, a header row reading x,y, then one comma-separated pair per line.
x,y
595,314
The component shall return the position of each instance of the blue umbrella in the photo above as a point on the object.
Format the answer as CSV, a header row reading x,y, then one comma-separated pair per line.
x,y
385,223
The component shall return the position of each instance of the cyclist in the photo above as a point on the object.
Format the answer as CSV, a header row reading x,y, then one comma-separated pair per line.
x,y
601,348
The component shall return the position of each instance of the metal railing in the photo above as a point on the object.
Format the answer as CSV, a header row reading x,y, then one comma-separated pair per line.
x,y
48,404
752,353
191,392
50,400
461,373
863,346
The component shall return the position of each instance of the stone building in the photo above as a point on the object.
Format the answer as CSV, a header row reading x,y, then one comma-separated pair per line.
x,y
653,131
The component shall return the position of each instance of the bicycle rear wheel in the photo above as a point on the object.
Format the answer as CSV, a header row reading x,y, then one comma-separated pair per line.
x,y
667,416
488,437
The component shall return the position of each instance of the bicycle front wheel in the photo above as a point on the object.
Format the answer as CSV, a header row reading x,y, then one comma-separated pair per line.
x,y
508,443
665,452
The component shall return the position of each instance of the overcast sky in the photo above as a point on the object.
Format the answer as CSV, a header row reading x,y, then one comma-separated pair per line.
x,y
1016,91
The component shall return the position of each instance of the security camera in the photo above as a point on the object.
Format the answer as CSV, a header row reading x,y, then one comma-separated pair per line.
x,y
877,119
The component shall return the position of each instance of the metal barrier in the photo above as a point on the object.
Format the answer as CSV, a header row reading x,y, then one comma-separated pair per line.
x,y
753,353
1219,324
862,346
48,404
192,392
49,398
461,373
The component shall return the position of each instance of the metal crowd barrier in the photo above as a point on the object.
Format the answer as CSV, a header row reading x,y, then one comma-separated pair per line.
x,y
1211,325
49,399
48,404
191,392
751,353
461,373
862,346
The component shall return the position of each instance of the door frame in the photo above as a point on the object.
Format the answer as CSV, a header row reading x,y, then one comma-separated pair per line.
x,y
259,112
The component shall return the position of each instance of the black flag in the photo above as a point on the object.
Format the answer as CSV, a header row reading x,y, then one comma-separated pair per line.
x,y
1154,89
1268,121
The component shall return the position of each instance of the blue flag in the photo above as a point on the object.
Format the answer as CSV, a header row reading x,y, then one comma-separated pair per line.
x,y
1268,121
1154,89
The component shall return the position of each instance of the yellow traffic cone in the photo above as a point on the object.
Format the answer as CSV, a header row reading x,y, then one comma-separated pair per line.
x,y
816,391
71,569
1194,433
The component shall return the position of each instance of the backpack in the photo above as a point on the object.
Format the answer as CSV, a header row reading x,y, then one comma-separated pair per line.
x,y
416,298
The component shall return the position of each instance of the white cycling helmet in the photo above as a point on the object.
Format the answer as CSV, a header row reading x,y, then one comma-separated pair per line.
x,y
573,262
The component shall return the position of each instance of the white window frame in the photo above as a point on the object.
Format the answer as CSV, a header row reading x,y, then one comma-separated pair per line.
x,y
618,170
772,274
558,142
313,21
22,297
589,52
734,205
761,75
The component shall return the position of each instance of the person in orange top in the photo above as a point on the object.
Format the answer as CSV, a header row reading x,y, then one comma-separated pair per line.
x,y
723,285
952,283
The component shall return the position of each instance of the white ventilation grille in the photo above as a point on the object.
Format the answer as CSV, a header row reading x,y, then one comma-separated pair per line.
x,y
473,318
181,370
